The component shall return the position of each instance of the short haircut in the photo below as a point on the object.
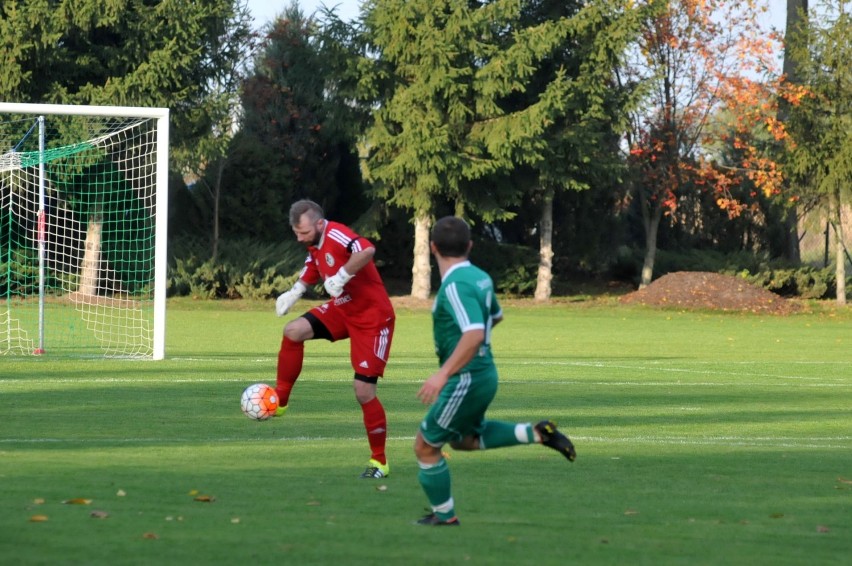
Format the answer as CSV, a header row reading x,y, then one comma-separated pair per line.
x,y
451,236
304,206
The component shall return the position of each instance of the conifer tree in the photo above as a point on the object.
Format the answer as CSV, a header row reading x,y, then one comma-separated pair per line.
x,y
446,72
820,119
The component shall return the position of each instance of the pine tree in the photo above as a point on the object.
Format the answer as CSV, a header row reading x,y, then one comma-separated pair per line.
x,y
445,72
820,120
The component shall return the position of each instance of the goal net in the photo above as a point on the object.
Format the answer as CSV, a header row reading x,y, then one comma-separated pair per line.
x,y
83,197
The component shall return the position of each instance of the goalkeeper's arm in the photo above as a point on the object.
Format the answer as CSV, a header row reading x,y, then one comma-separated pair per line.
x,y
286,300
335,284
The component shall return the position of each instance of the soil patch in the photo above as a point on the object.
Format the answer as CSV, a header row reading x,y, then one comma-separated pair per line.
x,y
706,290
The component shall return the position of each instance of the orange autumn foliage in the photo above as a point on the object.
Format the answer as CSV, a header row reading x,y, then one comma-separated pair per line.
x,y
706,60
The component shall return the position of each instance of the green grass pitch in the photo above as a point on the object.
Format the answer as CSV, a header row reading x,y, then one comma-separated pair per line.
x,y
702,438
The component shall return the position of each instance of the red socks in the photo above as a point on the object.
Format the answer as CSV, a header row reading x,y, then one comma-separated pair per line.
x,y
290,358
377,428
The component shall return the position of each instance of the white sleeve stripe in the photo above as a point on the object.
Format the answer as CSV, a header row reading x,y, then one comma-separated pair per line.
x,y
457,306
339,237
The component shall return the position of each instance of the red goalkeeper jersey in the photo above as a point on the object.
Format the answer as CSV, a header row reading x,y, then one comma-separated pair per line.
x,y
364,301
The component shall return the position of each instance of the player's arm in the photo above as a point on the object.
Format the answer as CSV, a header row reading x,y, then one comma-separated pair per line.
x,y
357,260
308,276
467,347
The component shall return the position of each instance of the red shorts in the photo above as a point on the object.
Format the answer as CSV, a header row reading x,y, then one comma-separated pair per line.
x,y
369,346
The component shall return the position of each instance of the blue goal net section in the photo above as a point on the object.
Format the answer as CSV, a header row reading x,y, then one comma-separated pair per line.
x,y
83,197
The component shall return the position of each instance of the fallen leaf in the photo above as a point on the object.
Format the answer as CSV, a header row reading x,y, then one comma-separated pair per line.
x,y
99,514
77,501
193,492
776,515
38,501
844,480
38,518
152,536
823,529
205,498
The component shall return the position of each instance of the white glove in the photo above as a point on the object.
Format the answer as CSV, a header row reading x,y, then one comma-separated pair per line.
x,y
334,284
286,300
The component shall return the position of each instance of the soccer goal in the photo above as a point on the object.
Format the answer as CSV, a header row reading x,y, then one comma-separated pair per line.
x,y
83,218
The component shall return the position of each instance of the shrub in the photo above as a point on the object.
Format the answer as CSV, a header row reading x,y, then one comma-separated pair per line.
x,y
806,282
514,268
244,268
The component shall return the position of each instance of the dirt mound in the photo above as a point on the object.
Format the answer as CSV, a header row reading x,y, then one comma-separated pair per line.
x,y
705,290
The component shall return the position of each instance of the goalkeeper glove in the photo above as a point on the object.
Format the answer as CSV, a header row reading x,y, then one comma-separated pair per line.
x,y
334,284
286,300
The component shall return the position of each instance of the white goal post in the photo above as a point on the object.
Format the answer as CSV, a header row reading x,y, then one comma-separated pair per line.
x,y
83,230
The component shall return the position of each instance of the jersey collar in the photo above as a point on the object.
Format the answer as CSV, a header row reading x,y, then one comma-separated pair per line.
x,y
459,265
324,230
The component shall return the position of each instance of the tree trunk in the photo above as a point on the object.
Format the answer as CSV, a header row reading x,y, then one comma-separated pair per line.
x,y
651,220
421,272
795,8
839,248
91,266
217,195
545,251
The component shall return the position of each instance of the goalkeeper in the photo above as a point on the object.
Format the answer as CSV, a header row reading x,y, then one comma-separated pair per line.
x,y
359,309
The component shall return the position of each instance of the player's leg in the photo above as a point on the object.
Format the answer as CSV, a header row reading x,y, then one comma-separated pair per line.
x,y
453,418
489,434
291,354
497,434
369,350
375,424
434,478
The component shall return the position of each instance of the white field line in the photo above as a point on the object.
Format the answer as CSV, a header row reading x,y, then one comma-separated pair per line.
x,y
549,383
832,442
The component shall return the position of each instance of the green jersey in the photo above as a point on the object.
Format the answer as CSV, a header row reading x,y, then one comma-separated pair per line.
x,y
465,302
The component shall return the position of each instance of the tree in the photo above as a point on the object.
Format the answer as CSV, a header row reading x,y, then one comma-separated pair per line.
x,y
694,57
820,118
795,10
206,161
120,53
444,72
581,146
298,134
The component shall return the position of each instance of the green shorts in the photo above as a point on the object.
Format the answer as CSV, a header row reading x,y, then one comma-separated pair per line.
x,y
459,410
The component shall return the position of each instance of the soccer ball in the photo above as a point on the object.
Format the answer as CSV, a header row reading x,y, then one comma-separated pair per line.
x,y
259,401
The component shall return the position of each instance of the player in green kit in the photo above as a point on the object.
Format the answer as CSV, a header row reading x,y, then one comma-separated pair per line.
x,y
463,315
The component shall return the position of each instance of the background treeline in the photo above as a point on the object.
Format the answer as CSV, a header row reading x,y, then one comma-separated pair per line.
x,y
562,130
